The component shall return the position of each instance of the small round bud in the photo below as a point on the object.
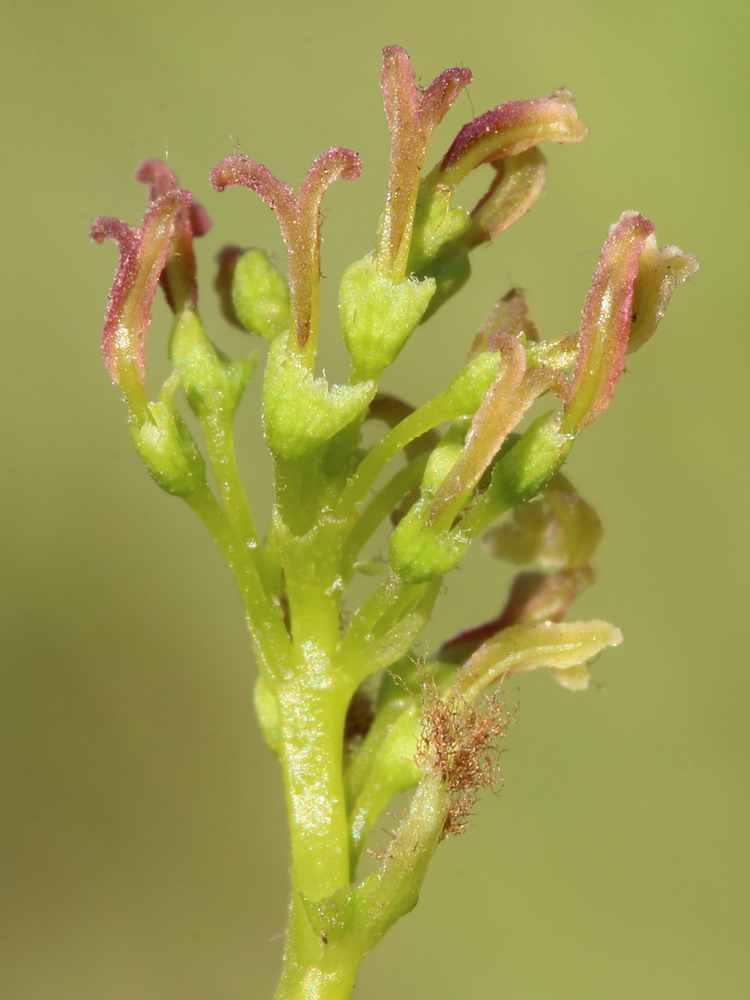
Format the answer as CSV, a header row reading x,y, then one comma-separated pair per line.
x,y
378,316
213,384
169,451
301,412
260,295
420,553
529,464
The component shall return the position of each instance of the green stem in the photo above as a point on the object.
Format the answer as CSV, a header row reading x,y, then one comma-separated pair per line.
x,y
264,618
393,890
376,511
219,434
313,708
481,515
220,439
330,977
437,411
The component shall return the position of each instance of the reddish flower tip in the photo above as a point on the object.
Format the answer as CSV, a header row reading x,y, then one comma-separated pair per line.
x,y
179,280
403,99
605,324
241,170
412,117
298,214
143,257
510,129
161,179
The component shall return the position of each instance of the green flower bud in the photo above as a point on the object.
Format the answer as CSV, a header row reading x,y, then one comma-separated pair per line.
x,y
168,450
450,274
213,384
468,388
419,552
379,316
444,457
436,223
260,295
529,464
301,412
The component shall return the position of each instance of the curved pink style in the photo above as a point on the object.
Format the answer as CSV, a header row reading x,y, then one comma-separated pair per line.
x,y
412,117
143,257
605,324
511,129
299,219
179,279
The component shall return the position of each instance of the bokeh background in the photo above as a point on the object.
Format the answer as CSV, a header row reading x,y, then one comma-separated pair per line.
x,y
142,841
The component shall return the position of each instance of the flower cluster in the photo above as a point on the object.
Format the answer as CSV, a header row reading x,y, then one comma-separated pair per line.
x,y
354,713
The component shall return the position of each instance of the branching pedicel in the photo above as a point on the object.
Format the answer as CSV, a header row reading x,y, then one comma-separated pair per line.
x,y
354,715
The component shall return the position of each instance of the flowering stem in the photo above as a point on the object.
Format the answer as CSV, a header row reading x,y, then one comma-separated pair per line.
x,y
393,889
345,699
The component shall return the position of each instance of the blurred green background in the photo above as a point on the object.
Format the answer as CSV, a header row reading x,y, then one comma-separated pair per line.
x,y
142,842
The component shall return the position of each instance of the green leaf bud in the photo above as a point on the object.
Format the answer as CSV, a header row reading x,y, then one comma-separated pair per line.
x,y
419,552
301,412
214,385
168,449
378,316
260,295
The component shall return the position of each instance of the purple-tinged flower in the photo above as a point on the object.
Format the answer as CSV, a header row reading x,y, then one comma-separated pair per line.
x,y
514,389
565,648
558,530
298,214
160,250
517,184
506,138
179,276
508,130
412,117
629,292
143,256
533,597
509,317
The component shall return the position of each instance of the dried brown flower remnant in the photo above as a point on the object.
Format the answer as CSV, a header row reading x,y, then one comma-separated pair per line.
x,y
461,743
